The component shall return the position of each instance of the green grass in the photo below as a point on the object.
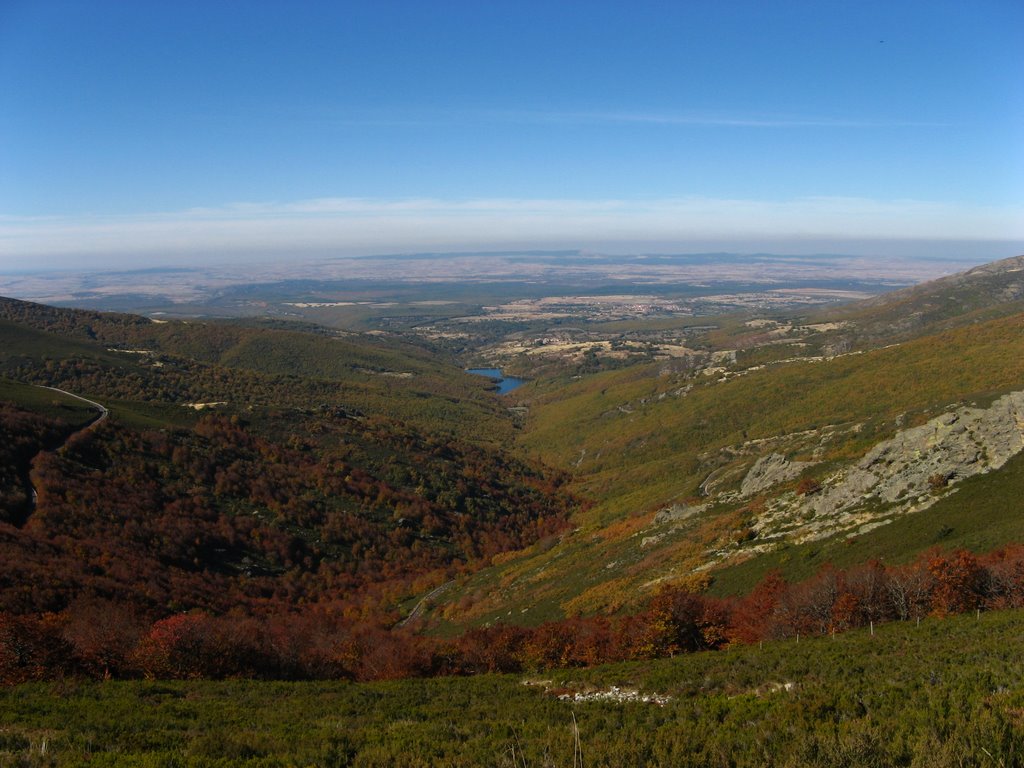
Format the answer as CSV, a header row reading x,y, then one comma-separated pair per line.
x,y
634,444
139,415
945,693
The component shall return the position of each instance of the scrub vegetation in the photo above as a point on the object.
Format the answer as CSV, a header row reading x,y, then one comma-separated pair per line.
x,y
943,693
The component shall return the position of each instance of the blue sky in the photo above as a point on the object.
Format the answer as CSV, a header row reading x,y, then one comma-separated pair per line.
x,y
176,130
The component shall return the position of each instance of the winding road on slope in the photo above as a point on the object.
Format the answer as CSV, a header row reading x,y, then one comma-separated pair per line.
x,y
418,609
102,415
103,412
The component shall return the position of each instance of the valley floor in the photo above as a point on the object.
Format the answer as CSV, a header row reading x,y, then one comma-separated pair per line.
x,y
946,692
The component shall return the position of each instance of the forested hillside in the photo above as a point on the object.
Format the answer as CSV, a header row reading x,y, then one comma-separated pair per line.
x,y
247,470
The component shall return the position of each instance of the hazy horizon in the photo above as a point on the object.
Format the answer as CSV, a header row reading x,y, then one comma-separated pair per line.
x,y
195,132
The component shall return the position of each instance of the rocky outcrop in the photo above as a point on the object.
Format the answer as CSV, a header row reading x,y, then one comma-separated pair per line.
x,y
919,461
770,470
677,513
907,473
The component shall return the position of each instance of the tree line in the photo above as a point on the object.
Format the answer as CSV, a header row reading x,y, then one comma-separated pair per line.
x,y
100,638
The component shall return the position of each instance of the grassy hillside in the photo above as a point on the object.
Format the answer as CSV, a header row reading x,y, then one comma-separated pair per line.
x,y
945,693
642,438
412,455
637,435
982,293
47,403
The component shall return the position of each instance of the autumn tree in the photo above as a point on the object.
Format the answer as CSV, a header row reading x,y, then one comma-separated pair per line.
x,y
756,616
958,582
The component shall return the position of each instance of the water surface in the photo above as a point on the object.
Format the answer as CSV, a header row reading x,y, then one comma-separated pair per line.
x,y
505,383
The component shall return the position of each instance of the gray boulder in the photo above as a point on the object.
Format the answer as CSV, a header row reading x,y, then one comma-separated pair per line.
x,y
770,470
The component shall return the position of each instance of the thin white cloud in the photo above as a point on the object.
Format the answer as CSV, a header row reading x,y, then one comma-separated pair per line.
x,y
352,226
706,120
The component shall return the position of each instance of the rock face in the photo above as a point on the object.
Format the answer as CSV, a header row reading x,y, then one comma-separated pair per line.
x,y
677,512
955,445
907,473
770,470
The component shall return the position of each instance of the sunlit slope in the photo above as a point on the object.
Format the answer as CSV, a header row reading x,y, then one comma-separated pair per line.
x,y
641,440
638,438
986,512
982,293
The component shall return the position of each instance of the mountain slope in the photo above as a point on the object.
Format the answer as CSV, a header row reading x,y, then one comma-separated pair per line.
x,y
670,457
982,293
247,468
